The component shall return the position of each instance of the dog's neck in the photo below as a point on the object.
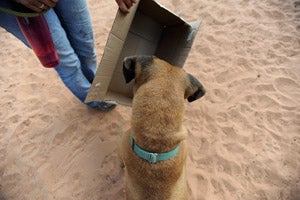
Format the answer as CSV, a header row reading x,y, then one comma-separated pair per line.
x,y
158,140
152,157
157,116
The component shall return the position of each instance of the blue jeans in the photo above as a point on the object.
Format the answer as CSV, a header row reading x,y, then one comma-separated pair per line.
x,y
71,29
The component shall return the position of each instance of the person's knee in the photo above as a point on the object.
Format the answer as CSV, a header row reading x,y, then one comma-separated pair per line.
x,y
67,71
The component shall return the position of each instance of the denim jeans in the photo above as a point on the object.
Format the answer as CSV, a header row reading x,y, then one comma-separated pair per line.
x,y
71,29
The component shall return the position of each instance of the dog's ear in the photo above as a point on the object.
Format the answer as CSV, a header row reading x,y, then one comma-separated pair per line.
x,y
129,68
133,66
194,89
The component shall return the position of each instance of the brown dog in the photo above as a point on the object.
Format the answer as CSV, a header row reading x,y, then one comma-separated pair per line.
x,y
154,149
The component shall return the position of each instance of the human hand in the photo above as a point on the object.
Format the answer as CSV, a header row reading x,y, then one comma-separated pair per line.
x,y
125,5
38,5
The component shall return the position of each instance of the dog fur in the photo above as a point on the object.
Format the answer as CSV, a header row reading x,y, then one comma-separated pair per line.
x,y
160,90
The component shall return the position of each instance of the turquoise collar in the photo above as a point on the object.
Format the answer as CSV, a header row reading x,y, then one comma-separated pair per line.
x,y
152,157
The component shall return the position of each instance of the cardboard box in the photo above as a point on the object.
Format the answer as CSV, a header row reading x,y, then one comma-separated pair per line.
x,y
149,29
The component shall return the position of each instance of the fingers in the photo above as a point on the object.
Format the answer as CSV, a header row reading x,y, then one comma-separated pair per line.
x,y
31,4
125,5
38,6
48,3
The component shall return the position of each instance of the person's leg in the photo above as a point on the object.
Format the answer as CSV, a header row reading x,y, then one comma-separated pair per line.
x,y
75,19
69,67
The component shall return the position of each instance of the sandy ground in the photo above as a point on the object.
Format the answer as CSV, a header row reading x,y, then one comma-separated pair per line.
x,y
244,140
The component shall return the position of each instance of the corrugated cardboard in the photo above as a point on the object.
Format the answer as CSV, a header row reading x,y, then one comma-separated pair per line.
x,y
149,29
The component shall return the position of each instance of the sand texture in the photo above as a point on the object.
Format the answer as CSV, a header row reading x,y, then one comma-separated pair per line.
x,y
244,135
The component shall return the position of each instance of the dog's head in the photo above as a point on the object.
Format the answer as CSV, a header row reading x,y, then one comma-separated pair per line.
x,y
145,68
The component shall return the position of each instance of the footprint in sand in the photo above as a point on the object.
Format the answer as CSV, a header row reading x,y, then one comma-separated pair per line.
x,y
286,85
297,11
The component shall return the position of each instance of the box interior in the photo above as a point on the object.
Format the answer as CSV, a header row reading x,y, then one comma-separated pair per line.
x,y
151,34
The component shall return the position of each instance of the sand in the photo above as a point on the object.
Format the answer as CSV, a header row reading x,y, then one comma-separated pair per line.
x,y
244,135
